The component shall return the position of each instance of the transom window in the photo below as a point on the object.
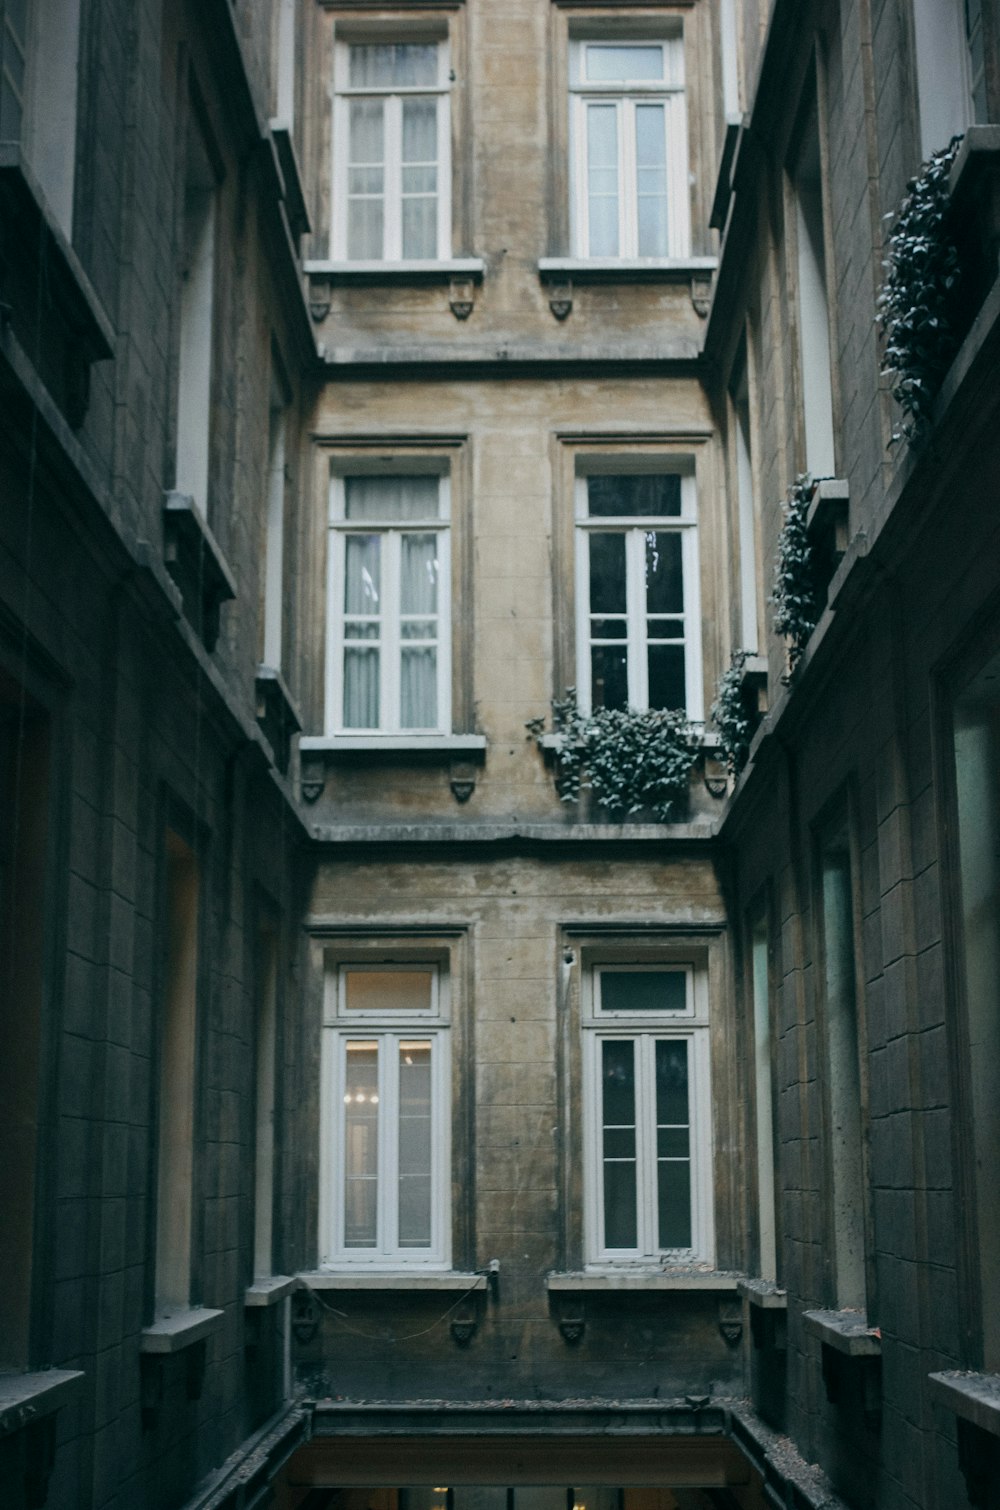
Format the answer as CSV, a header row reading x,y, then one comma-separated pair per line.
x,y
385,1155
648,1167
389,648
628,133
638,613
391,152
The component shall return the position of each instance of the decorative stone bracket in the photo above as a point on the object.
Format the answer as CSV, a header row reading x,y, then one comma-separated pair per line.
x,y
561,298
730,1321
461,297
701,294
572,1322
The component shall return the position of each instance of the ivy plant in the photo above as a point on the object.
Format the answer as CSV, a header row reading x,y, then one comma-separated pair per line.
x,y
730,716
632,760
918,304
794,596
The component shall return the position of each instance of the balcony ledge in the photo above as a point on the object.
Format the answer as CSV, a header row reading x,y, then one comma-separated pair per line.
x,y
969,1396
27,1398
400,1280
846,1332
647,1280
175,1330
268,1290
764,1293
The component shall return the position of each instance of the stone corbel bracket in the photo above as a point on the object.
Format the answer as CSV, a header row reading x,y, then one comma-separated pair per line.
x,y
730,1321
572,1321
561,298
701,294
312,772
319,297
461,297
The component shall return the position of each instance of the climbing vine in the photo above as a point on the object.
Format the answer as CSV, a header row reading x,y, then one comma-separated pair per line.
x,y
794,596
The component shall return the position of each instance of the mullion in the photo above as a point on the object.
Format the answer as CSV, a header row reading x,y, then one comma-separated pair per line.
x,y
646,1144
635,602
389,689
392,234
389,1145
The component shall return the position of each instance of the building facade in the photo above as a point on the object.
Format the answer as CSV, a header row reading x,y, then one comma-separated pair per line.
x,y
400,403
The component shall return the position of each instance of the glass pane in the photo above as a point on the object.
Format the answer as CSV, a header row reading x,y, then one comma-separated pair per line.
x,y
608,677
419,569
643,990
651,179
364,180
420,131
418,629
364,230
673,1166
602,180
391,498
367,132
608,629
414,1145
667,681
607,574
403,65
615,64
619,1158
355,630
362,573
664,573
643,496
388,990
419,179
361,1145
361,688
418,690
420,227
652,227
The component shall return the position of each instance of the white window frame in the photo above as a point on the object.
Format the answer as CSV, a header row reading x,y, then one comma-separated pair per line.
x,y
390,662
671,93
392,224
388,1029
686,525
645,1030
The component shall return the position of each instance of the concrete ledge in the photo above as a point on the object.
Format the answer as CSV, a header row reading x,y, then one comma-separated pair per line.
x,y
432,270
764,1293
267,1292
647,1280
176,1330
971,1397
332,745
328,1279
25,1398
625,269
845,1332
500,833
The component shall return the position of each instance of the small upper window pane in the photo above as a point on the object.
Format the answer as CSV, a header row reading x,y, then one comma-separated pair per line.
x,y
393,65
391,499
375,991
643,990
639,496
613,63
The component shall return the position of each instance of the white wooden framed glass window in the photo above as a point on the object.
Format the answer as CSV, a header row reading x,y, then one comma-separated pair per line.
x,y
638,598
647,1117
628,148
389,641
392,152
385,1165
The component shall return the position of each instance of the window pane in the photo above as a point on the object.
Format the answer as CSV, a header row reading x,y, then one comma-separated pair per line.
x,y
673,1164
420,227
420,131
664,573
414,1145
643,990
391,498
401,65
608,677
602,180
366,177
388,990
418,690
361,688
419,570
364,230
613,64
362,574
361,1145
420,178
643,496
667,681
619,1156
651,179
607,574
367,132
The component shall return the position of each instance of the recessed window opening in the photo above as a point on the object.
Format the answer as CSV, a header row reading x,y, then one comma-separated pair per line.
x,y
265,1040
746,512
194,375
763,1096
813,305
39,94
951,69
274,547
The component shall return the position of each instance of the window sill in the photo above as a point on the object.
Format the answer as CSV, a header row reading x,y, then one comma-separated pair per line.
x,y
268,1291
196,563
625,269
339,1279
291,177
971,1397
332,745
845,1332
26,1398
764,1294
644,1279
173,1331
431,270
277,713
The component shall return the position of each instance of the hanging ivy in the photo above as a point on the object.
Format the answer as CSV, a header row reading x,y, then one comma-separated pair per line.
x,y
795,596
730,716
633,761
919,303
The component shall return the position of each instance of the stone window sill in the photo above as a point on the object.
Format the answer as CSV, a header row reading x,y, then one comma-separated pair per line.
x,y
680,1279
338,1279
277,713
971,1397
436,270
173,1331
764,1294
195,561
291,178
846,1332
447,745
27,1398
625,269
268,1291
